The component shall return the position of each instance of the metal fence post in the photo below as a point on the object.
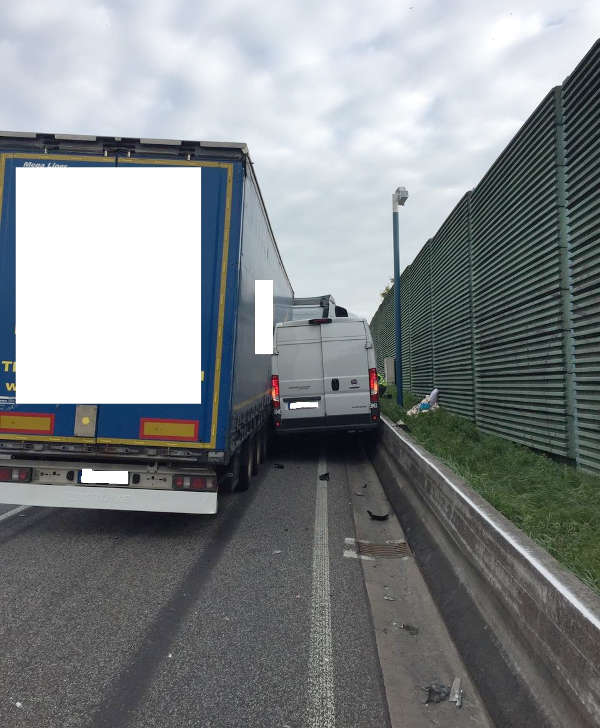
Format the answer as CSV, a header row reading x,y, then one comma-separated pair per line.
x,y
472,312
429,244
566,284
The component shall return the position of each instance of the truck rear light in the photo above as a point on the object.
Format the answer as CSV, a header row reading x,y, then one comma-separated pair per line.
x,y
373,385
194,482
319,321
275,391
18,475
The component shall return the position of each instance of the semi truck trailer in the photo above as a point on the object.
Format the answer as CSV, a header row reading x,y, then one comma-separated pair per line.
x,y
164,457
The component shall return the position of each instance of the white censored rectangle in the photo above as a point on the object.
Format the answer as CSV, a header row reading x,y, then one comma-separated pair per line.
x,y
108,477
108,270
263,317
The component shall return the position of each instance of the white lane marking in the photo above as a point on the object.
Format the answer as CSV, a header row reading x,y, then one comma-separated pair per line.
x,y
548,575
321,700
352,553
14,512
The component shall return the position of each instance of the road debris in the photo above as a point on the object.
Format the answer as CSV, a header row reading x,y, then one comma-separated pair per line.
x,y
324,476
390,598
278,466
409,628
456,693
357,492
428,403
277,551
436,693
375,517
19,704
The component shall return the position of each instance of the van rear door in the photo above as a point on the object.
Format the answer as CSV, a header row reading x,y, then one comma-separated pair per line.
x,y
300,367
345,369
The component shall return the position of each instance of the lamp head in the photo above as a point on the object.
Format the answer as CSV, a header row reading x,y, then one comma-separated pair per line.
x,y
400,196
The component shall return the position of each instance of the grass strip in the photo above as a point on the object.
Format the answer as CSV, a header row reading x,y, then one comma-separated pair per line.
x,y
555,504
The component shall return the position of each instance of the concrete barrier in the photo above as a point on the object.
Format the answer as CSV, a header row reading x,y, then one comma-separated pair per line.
x,y
528,629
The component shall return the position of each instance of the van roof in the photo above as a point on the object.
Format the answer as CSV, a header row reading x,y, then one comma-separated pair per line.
x,y
334,320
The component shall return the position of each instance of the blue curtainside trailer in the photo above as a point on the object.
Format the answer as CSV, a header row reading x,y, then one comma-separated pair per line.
x,y
166,457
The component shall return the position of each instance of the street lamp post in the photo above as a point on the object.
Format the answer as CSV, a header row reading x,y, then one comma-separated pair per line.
x,y
398,199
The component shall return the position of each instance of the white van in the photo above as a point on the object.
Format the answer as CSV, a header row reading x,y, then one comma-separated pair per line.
x,y
324,376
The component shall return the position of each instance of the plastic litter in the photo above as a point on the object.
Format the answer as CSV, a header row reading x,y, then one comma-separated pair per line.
x,y
324,476
408,628
277,551
456,693
376,517
436,693
19,704
430,402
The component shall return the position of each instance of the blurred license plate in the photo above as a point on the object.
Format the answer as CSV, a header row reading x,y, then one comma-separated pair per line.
x,y
105,477
304,405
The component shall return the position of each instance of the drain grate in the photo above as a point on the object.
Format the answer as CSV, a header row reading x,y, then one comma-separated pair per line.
x,y
392,550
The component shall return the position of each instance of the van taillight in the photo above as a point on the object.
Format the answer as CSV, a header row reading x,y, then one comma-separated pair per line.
x,y
275,391
18,475
373,385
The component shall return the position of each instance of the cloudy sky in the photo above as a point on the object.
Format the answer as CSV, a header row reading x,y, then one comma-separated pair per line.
x,y
338,101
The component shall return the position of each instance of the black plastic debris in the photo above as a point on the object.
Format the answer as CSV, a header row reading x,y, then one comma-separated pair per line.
x,y
278,466
375,517
365,485
324,476
436,693
409,628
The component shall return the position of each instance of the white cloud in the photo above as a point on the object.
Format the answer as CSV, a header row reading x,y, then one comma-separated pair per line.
x,y
339,102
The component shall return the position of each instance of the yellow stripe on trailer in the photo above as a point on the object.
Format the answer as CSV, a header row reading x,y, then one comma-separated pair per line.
x,y
34,423
168,428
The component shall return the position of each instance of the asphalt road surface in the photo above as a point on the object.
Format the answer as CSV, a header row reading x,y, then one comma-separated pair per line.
x,y
250,618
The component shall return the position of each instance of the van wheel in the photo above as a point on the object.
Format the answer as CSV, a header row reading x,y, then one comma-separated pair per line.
x,y
255,449
246,465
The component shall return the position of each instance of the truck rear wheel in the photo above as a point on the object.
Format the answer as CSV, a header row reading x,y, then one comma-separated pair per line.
x,y
246,465
266,441
261,448
255,448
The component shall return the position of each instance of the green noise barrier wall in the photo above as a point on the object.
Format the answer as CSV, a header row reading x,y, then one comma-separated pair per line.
x,y
501,308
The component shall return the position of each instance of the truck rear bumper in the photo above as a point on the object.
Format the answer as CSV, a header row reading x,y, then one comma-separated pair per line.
x,y
108,498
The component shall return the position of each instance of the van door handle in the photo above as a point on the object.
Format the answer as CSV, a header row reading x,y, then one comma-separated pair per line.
x,y
335,384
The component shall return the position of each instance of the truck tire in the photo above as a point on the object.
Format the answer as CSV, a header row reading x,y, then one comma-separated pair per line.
x,y
261,449
229,477
255,447
266,441
246,465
